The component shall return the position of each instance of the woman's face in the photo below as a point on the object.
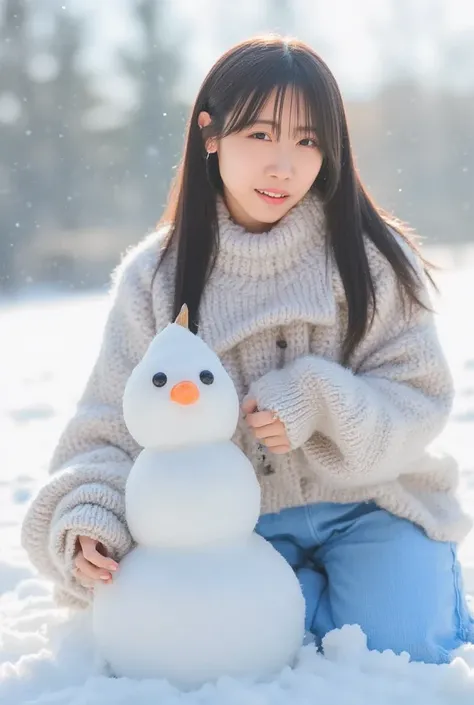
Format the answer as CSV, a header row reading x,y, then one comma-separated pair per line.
x,y
265,175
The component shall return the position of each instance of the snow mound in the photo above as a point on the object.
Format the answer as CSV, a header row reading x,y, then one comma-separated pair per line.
x,y
47,657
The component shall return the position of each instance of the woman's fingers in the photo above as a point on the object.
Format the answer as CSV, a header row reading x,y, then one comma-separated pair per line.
x,y
90,571
260,418
281,449
275,442
273,429
89,549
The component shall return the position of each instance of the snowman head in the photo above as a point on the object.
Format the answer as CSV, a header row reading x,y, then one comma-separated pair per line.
x,y
180,394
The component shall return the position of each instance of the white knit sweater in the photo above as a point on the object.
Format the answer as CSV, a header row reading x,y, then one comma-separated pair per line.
x,y
356,434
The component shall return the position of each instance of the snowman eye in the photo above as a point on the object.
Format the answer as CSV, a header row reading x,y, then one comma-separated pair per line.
x,y
160,379
206,377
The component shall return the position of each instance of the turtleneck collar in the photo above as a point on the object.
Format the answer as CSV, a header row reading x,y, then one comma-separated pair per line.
x,y
263,255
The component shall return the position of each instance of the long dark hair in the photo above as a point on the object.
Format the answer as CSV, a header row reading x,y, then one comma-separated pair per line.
x,y
234,93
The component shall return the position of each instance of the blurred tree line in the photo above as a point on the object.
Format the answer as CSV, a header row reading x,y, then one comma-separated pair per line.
x,y
69,191
75,193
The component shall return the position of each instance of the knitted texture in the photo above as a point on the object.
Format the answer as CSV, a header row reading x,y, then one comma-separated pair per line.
x,y
357,433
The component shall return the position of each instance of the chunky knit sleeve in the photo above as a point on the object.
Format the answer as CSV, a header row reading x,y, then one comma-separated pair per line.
x,y
367,424
85,493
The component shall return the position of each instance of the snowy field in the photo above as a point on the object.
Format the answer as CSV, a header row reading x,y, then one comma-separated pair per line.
x,y
46,656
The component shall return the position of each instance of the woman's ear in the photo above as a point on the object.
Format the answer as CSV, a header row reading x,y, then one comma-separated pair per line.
x,y
204,120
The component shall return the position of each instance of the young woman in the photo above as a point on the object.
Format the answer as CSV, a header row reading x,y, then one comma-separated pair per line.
x,y
317,305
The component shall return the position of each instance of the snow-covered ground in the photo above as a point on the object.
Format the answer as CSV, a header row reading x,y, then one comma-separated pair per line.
x,y
46,657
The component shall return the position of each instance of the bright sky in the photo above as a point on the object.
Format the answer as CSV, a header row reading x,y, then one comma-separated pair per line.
x,y
342,31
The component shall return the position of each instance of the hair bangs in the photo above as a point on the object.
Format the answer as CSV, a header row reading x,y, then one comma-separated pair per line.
x,y
274,79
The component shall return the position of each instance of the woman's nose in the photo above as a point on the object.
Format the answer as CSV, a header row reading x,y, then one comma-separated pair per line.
x,y
280,168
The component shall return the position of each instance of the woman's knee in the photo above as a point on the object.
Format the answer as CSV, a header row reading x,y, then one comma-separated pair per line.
x,y
402,588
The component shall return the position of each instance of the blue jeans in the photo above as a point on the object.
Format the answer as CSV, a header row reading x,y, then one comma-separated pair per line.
x,y
359,564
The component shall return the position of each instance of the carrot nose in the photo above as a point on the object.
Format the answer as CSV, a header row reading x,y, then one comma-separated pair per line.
x,y
185,393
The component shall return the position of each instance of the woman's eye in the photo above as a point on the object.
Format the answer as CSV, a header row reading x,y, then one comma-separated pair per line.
x,y
309,142
259,135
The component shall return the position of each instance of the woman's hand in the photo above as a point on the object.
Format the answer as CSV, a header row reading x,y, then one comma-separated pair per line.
x,y
92,564
266,427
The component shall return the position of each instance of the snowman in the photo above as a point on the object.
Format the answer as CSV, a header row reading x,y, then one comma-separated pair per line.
x,y
201,595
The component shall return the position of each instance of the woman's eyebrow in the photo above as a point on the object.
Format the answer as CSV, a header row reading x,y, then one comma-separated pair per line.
x,y
274,125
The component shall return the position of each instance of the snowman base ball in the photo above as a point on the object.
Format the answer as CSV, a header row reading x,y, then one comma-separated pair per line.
x,y
201,614
202,595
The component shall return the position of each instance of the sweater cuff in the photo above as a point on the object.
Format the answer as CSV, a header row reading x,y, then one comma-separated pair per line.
x,y
288,393
85,520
